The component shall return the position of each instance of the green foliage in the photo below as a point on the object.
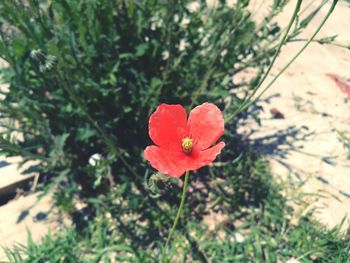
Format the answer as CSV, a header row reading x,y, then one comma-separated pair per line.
x,y
84,77
55,249
256,227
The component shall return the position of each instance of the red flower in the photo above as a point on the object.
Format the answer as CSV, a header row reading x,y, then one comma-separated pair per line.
x,y
181,144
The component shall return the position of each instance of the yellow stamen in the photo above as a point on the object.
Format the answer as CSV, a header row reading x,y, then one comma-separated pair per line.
x,y
187,145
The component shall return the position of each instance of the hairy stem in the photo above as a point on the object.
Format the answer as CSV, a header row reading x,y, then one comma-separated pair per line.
x,y
179,211
250,102
294,16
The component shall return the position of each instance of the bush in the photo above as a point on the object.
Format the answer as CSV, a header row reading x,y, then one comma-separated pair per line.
x,y
85,76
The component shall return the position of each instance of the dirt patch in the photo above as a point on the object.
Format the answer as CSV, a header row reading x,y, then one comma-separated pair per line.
x,y
27,213
305,144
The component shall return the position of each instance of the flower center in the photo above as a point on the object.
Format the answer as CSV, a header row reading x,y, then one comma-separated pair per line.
x,y
187,145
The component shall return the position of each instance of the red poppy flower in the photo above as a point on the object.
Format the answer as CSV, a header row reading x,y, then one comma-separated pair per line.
x,y
181,144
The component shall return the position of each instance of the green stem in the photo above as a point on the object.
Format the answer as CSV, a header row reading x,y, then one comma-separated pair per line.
x,y
179,212
300,51
319,41
294,16
246,105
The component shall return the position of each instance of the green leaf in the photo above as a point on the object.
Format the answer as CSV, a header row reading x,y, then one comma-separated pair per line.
x,y
155,82
127,109
141,49
84,134
18,46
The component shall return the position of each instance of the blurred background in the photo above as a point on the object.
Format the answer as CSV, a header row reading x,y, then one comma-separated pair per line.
x,y
79,80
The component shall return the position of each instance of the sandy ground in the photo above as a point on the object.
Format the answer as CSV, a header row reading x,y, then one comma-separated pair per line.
x,y
303,146
27,213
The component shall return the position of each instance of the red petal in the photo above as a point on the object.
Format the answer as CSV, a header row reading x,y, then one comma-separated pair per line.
x,y
168,162
206,125
167,126
176,164
203,158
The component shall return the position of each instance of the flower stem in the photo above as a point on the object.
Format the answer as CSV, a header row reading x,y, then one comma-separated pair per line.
x,y
246,103
311,39
179,211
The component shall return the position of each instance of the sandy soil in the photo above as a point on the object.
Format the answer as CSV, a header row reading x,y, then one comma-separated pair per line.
x,y
27,213
305,145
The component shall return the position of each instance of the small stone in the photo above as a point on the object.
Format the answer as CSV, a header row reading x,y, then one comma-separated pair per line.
x,y
292,260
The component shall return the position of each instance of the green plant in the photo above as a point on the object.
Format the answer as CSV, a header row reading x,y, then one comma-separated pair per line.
x,y
345,139
254,223
84,77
